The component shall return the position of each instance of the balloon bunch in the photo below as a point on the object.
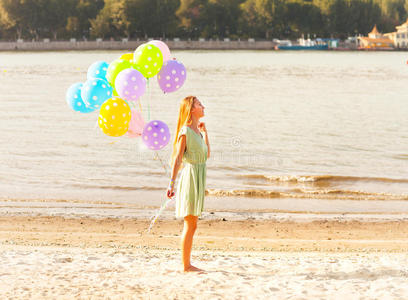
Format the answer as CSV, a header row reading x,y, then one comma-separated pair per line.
x,y
115,89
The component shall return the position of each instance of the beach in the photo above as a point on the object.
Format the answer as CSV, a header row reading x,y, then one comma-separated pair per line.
x,y
47,257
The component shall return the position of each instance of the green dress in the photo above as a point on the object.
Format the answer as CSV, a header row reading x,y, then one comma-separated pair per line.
x,y
191,186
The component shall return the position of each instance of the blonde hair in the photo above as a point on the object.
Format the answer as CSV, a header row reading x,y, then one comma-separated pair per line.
x,y
184,119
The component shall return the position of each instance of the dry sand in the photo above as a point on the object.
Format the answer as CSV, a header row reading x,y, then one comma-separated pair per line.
x,y
56,257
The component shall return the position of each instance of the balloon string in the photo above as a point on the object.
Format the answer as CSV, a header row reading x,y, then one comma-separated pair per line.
x,y
133,105
159,212
155,217
162,163
166,203
148,99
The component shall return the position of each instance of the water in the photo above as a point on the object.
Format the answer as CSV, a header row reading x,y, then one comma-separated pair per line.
x,y
292,125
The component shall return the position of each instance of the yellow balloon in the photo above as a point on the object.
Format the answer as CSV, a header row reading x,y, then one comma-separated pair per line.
x,y
127,56
114,117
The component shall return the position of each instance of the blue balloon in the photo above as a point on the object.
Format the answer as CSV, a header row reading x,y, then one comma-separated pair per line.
x,y
95,92
74,99
97,70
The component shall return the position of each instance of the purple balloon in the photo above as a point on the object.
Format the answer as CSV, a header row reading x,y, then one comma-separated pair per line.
x,y
156,135
130,84
171,76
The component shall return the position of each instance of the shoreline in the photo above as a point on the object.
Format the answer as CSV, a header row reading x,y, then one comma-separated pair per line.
x,y
124,45
248,44
232,208
131,45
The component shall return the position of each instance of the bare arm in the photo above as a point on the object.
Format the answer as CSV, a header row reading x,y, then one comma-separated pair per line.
x,y
207,143
181,147
203,129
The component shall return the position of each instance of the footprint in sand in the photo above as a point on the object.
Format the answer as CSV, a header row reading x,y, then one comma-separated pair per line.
x,y
64,260
241,268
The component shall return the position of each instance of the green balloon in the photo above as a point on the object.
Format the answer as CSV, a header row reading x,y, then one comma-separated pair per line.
x,y
115,68
148,60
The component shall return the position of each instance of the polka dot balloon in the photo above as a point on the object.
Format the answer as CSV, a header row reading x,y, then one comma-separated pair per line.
x,y
97,70
95,92
114,117
130,84
127,56
148,60
163,48
171,76
156,135
115,68
74,99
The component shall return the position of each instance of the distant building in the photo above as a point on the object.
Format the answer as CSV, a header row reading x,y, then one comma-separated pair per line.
x,y
375,41
400,37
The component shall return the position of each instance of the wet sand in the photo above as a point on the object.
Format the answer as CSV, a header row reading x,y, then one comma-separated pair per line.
x,y
242,235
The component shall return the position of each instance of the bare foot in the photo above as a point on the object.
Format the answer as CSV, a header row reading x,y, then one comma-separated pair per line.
x,y
192,269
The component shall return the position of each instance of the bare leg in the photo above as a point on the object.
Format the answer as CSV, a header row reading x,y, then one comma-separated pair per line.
x,y
190,226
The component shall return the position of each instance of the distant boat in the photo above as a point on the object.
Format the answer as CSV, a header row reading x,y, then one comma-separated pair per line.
x,y
308,44
299,47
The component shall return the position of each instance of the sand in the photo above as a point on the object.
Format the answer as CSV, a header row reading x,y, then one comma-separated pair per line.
x,y
55,257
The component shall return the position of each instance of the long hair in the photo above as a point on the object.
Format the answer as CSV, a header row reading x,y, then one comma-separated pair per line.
x,y
184,118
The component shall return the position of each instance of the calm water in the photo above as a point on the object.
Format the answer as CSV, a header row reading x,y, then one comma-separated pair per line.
x,y
325,125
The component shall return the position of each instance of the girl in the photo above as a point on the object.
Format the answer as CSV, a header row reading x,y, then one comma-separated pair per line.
x,y
191,148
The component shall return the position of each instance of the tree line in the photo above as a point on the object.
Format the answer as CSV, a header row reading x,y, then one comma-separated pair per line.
x,y
261,19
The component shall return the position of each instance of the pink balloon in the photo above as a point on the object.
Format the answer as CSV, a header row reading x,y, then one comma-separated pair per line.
x,y
136,124
163,48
